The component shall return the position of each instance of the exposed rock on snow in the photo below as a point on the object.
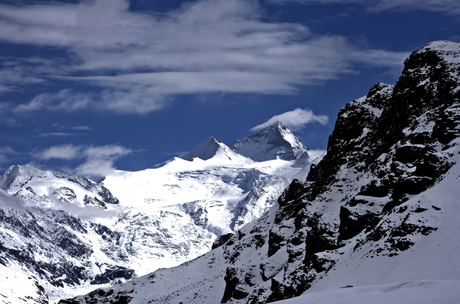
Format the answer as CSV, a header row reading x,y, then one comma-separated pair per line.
x,y
272,142
213,147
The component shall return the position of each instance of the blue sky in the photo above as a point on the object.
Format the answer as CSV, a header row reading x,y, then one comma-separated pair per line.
x,y
88,86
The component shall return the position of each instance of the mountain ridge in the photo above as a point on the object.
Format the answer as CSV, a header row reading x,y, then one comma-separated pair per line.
x,y
70,234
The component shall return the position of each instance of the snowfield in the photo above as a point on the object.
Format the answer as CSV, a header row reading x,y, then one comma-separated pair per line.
x,y
411,292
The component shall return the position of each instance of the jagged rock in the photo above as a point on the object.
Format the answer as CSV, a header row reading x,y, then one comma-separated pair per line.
x,y
231,288
221,240
352,223
112,274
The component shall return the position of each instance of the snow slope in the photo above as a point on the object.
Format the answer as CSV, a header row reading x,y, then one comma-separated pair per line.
x,y
410,292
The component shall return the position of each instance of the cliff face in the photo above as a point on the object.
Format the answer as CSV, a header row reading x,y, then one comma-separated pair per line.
x,y
415,117
386,148
380,207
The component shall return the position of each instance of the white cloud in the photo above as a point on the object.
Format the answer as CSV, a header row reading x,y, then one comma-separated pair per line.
x,y
139,59
12,76
5,114
60,130
95,167
81,128
134,101
50,134
295,119
109,151
62,152
443,6
64,100
100,160
97,161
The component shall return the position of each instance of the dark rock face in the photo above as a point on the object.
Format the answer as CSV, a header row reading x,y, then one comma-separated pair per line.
x,y
114,272
394,134
393,139
351,224
221,240
98,296
231,289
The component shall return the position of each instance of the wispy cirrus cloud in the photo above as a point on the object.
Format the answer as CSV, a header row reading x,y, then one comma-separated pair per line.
x,y
442,6
60,130
64,100
59,134
81,128
136,61
295,119
95,160
5,153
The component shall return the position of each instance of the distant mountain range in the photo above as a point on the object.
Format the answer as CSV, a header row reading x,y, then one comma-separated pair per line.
x,y
376,220
64,235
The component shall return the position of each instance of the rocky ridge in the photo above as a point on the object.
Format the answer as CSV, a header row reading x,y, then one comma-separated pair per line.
x,y
379,208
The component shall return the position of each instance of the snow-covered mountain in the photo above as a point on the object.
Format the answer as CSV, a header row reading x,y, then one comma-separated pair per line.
x,y
64,235
377,218
212,147
272,142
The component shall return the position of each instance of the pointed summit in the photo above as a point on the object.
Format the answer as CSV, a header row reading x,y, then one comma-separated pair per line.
x,y
205,150
16,176
272,142
213,147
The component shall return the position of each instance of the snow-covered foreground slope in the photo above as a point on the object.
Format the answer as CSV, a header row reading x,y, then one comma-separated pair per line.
x,y
69,234
410,292
379,210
